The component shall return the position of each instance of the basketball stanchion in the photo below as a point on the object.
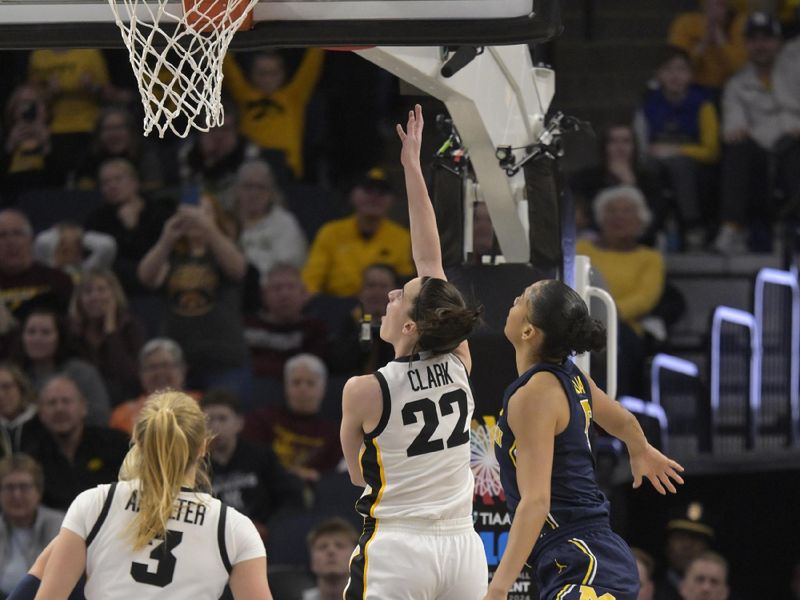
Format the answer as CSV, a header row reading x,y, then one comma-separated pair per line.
x,y
176,51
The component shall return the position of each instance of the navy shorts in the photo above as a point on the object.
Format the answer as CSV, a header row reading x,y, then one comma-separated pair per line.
x,y
596,565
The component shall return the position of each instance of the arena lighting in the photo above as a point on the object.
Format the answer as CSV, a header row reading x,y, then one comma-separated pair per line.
x,y
649,409
789,280
726,314
670,363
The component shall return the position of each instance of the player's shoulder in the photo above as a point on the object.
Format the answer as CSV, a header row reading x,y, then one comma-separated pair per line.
x,y
363,384
242,533
541,392
92,494
362,395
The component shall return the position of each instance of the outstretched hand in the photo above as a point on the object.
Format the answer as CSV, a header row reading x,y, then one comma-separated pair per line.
x,y
659,469
411,137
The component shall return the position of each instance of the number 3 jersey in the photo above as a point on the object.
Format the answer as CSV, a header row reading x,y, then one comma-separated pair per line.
x,y
417,460
575,498
204,540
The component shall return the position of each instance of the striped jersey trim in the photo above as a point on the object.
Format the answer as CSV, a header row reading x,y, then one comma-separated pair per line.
x,y
591,571
357,584
564,591
371,464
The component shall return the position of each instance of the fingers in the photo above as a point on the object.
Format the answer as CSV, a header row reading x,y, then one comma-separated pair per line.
x,y
413,126
637,481
675,465
657,484
665,480
671,473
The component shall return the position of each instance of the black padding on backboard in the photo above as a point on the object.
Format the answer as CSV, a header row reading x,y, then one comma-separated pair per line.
x,y
447,195
543,194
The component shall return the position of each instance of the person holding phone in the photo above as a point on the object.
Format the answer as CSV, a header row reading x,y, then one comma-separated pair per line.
x,y
27,142
199,270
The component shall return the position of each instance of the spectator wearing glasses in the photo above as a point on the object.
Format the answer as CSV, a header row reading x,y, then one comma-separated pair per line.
x,y
269,233
22,279
161,367
26,527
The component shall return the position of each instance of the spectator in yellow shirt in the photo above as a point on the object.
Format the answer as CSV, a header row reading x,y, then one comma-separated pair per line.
x,y
714,39
634,276
634,273
272,109
344,248
73,81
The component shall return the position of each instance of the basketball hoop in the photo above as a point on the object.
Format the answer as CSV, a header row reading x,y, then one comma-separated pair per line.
x,y
176,51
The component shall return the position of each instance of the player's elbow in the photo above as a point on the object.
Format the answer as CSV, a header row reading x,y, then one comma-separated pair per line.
x,y
534,504
357,480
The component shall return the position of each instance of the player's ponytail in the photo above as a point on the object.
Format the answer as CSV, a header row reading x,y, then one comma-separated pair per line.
x,y
442,316
169,438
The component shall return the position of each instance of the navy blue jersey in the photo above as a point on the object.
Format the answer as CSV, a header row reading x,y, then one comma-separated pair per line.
x,y
575,498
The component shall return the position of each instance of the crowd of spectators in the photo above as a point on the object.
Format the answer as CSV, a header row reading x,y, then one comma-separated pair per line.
x,y
190,267
715,142
183,264
709,161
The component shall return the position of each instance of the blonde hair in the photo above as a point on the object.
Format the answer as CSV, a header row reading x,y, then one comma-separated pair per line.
x,y
76,312
168,439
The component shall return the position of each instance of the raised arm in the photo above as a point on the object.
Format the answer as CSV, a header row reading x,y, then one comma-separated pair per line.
x,y
154,266
425,246
646,461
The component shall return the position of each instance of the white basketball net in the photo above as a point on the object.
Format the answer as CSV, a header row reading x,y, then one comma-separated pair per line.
x,y
177,57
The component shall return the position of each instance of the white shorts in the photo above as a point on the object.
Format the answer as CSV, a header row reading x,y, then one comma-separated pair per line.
x,y
418,559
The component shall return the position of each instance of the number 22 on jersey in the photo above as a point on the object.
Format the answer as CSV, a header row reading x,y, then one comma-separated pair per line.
x,y
430,411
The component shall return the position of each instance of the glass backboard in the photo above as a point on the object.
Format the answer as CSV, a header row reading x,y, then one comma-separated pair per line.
x,y
90,23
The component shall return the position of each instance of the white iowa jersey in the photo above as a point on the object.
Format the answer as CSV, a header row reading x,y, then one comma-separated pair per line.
x,y
204,539
417,460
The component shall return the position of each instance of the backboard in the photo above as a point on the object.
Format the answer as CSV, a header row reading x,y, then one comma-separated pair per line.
x,y
28,24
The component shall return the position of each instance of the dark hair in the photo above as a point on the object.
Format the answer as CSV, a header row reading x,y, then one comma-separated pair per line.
x,y
442,316
562,315
63,348
130,124
669,53
333,526
221,397
20,462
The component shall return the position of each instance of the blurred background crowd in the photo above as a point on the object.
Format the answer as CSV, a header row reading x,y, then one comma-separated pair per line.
x,y
250,265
